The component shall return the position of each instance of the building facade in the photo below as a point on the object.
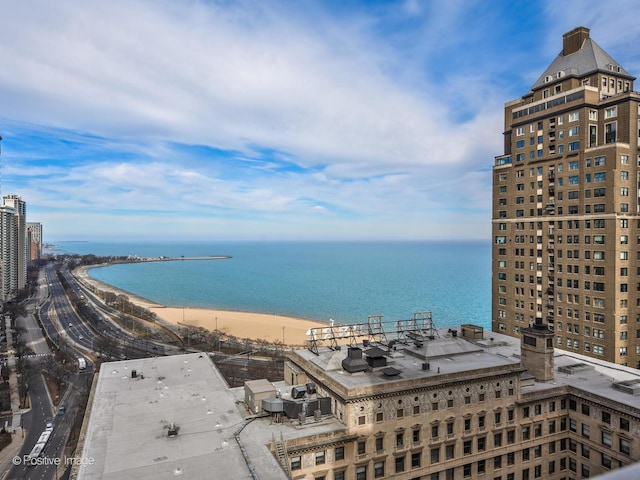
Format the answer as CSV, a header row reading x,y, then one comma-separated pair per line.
x,y
565,222
19,207
34,240
8,253
473,410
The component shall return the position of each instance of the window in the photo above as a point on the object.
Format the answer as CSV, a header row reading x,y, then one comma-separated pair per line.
x,y
400,464
296,463
573,146
624,424
361,472
379,444
378,469
625,446
362,448
320,458
574,116
466,450
339,453
606,439
481,444
610,132
435,457
611,112
599,177
466,470
450,451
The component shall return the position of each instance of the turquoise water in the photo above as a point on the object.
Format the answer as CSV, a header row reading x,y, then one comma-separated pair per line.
x,y
343,281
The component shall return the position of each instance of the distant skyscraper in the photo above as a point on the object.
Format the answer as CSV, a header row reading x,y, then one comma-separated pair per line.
x,y
19,207
9,253
566,217
34,240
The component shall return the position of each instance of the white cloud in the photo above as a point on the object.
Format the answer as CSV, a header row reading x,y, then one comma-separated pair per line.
x,y
389,117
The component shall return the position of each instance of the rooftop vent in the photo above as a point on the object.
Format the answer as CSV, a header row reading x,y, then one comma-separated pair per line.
x,y
575,368
631,387
376,357
390,372
172,430
354,361
298,392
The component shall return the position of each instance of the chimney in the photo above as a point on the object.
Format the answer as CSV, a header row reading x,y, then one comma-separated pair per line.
x,y
536,351
572,41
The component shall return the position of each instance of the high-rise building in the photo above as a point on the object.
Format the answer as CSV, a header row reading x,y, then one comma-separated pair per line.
x,y
19,207
566,223
8,253
34,240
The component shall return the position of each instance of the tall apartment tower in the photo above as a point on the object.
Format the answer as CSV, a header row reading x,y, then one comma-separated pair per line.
x,y
34,240
8,253
566,213
19,207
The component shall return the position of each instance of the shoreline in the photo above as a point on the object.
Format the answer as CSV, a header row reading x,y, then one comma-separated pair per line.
x,y
244,325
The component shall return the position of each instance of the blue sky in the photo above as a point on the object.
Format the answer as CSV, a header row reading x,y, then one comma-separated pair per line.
x,y
246,120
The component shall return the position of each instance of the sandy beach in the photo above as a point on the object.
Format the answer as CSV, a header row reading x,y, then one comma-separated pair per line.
x,y
256,326
251,325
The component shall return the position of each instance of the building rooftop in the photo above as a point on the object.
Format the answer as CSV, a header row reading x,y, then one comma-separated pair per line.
x,y
449,354
127,434
589,58
132,414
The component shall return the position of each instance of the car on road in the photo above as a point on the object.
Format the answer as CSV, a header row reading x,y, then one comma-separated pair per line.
x,y
49,426
71,324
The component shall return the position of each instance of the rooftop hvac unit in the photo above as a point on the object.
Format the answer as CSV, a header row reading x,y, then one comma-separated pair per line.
x,y
311,388
173,430
298,392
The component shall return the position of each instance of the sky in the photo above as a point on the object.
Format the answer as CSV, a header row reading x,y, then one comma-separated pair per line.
x,y
272,120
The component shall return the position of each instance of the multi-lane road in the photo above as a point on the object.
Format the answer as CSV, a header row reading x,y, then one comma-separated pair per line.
x,y
65,330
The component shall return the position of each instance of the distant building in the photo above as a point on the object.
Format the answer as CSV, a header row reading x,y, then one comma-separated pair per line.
x,y
19,207
443,405
8,253
34,240
566,223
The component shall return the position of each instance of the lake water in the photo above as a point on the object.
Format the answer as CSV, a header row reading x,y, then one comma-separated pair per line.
x,y
344,281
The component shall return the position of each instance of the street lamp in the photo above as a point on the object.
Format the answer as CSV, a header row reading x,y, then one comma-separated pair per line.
x,y
283,335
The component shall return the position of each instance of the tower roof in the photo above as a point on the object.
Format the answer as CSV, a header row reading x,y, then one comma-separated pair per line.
x,y
580,57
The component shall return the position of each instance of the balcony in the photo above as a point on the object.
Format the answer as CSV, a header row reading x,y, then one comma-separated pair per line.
x,y
552,192
551,208
552,176
550,291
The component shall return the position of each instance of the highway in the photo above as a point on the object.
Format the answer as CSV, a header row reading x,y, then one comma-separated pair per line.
x,y
73,337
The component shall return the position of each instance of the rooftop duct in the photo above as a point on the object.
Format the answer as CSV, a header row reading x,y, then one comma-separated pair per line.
x,y
354,361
